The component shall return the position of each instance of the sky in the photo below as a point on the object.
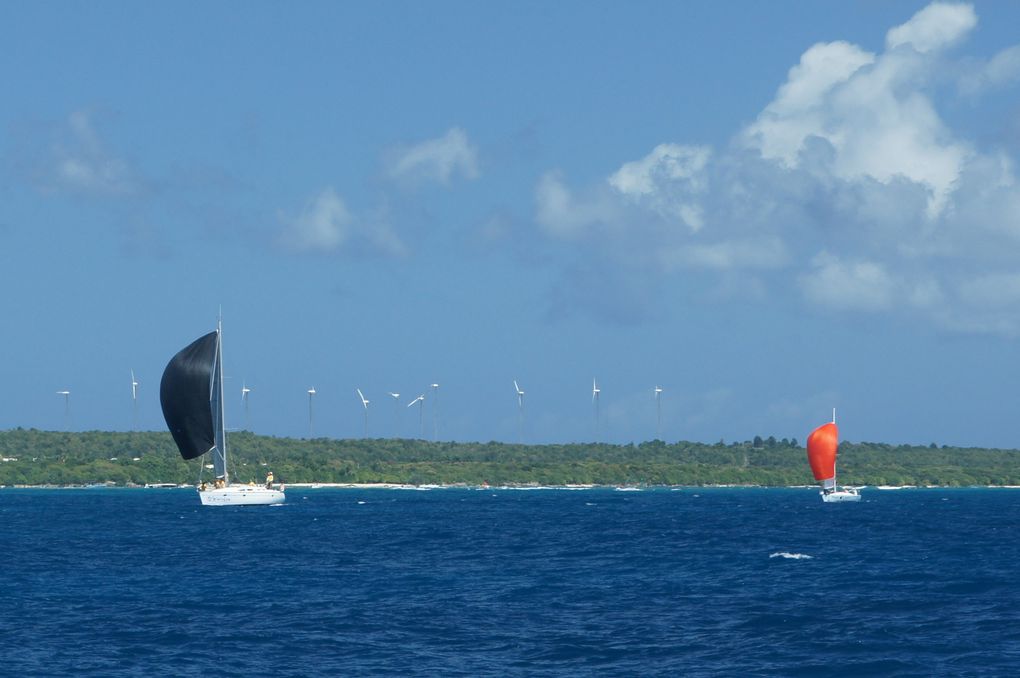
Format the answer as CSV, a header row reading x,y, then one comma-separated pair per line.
x,y
766,209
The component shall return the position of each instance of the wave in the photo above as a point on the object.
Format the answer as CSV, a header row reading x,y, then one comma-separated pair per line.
x,y
791,556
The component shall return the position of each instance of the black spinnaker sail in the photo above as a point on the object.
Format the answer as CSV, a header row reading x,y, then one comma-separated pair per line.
x,y
185,395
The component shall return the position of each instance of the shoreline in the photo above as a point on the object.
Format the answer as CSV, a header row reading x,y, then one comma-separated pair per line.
x,y
517,487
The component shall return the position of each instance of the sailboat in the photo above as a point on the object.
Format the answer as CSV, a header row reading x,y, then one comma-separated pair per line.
x,y
191,394
822,445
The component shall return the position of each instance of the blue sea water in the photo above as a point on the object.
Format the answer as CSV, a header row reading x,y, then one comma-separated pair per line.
x,y
459,582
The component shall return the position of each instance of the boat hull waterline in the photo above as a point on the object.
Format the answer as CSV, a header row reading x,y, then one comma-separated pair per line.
x,y
241,495
840,496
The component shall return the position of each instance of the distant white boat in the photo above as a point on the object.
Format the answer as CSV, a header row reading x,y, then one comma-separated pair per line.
x,y
843,494
191,394
822,446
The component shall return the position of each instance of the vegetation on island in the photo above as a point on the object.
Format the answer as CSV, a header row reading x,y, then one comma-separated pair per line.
x,y
33,457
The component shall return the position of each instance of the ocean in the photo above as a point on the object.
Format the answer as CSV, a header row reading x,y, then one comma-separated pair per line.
x,y
498,582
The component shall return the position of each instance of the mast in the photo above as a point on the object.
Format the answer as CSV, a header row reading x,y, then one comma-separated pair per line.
x,y
216,396
837,449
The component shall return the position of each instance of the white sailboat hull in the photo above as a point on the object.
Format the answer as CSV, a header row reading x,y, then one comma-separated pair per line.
x,y
840,496
241,495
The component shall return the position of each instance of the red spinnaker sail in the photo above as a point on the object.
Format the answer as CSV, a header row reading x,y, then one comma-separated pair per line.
x,y
821,451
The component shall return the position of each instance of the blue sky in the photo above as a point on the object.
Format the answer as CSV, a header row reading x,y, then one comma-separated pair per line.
x,y
769,209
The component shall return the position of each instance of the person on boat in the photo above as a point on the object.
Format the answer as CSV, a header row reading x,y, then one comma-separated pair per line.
x,y
201,487
269,480
219,483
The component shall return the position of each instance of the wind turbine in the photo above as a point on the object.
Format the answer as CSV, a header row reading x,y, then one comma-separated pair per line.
x,y
435,412
658,413
421,422
67,408
311,392
396,404
134,401
595,390
244,401
520,412
364,403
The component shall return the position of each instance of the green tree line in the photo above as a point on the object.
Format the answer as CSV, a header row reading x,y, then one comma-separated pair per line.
x,y
33,457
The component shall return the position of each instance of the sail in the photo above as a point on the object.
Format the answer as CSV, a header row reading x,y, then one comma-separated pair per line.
x,y
821,451
185,395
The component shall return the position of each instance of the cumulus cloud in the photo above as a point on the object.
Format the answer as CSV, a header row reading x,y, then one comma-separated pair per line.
x,y
436,160
848,189
800,109
939,25
667,180
326,225
874,111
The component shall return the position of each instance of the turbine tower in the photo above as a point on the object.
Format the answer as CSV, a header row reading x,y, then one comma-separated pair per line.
x,y
396,411
520,413
658,413
311,393
364,403
244,401
421,421
134,402
67,408
435,412
595,390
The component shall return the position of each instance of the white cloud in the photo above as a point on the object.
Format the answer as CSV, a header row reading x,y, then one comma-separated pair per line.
x,y
937,26
800,109
81,163
874,111
851,167
562,216
666,163
864,285
860,285
326,225
436,160
667,180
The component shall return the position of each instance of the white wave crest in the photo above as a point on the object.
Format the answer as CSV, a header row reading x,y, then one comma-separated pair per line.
x,y
791,556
